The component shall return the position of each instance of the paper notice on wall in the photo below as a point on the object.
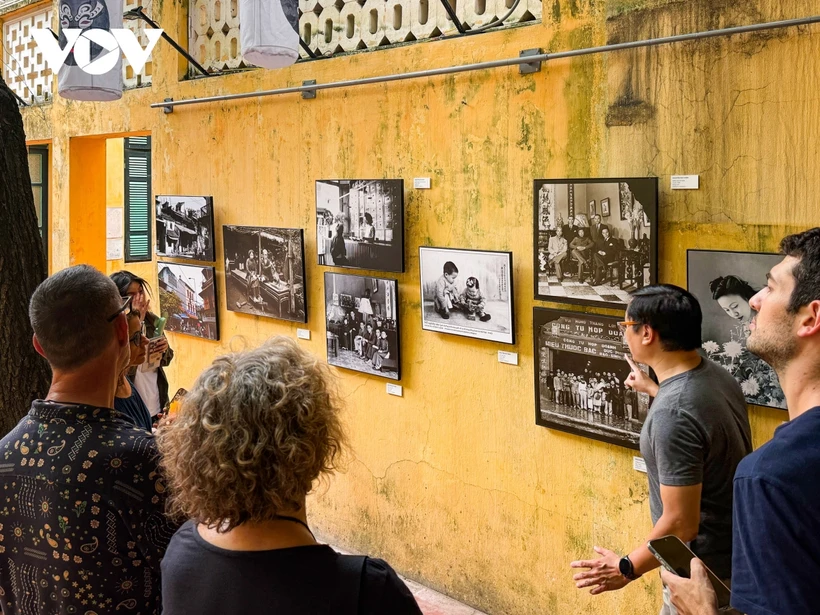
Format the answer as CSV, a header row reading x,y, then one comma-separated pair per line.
x,y
113,222
113,249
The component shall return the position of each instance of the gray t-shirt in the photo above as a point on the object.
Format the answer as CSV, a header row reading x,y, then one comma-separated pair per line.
x,y
697,432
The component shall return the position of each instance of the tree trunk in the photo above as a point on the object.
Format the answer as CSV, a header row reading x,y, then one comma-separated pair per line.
x,y
24,375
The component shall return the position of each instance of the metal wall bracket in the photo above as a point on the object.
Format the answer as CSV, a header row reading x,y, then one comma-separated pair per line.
x,y
169,108
529,68
309,93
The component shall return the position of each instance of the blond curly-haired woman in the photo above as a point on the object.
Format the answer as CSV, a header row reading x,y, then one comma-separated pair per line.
x,y
254,434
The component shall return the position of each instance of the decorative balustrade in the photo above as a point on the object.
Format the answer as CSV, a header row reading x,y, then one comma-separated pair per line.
x,y
330,27
138,27
24,69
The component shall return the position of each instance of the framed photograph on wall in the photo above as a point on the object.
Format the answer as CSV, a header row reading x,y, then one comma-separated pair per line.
x,y
185,227
591,208
187,298
579,373
589,261
265,271
723,283
467,293
365,338
605,207
360,223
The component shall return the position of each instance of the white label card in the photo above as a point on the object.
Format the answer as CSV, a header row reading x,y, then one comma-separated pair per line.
x,y
638,464
303,334
394,389
685,182
113,222
510,358
421,183
113,249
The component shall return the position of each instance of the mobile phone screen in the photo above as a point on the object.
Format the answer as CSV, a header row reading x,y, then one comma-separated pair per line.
x,y
676,557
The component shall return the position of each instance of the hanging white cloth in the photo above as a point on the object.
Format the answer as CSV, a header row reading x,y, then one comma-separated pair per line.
x,y
269,32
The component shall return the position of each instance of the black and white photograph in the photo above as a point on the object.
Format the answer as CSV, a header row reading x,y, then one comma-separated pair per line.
x,y
185,227
187,298
585,256
360,223
265,271
363,324
580,368
467,293
723,282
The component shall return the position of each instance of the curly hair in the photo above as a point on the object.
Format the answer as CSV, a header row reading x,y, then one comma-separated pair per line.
x,y
731,285
253,434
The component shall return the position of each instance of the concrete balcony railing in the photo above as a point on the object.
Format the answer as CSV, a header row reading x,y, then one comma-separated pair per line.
x,y
336,26
24,68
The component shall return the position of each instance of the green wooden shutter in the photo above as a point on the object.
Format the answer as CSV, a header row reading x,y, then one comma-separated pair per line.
x,y
38,170
137,199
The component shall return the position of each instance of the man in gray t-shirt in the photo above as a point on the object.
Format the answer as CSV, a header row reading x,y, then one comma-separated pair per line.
x,y
695,435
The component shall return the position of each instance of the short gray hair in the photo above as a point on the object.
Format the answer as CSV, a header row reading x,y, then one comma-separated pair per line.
x,y
68,313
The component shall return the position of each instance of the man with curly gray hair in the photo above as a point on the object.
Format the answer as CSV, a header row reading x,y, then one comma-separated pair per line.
x,y
254,434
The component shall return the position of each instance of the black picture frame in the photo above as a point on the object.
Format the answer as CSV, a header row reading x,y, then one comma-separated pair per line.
x,y
180,234
605,210
179,285
381,200
282,283
583,345
493,270
733,276
349,344
635,257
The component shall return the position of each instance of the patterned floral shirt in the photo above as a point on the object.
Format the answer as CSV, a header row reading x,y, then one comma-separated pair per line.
x,y
82,528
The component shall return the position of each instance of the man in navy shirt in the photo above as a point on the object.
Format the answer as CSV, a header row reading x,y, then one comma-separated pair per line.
x,y
776,537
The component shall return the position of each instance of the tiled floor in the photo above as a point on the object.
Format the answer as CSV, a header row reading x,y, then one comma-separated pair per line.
x,y
570,287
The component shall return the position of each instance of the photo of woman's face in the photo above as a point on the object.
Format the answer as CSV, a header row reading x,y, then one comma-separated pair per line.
x,y
736,307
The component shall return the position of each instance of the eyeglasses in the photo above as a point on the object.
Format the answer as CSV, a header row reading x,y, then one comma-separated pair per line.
x,y
125,306
622,325
136,339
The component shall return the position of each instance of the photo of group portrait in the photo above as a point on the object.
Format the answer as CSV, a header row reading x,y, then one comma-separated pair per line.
x,y
362,318
580,370
595,240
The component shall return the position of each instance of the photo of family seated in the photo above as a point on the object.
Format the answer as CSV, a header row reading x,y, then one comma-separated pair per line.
x,y
363,324
468,293
596,240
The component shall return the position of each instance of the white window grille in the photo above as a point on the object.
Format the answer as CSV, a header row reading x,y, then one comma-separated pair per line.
x,y
329,27
138,27
24,68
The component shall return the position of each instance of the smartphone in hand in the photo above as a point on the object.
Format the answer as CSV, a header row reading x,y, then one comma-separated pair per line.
x,y
676,557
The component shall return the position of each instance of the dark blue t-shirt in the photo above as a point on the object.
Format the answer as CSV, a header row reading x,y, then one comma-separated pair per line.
x,y
776,538
134,409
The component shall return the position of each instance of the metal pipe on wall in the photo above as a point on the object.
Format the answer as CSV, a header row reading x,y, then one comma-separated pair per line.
x,y
530,59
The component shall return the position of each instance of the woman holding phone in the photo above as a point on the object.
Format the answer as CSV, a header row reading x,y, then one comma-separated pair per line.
x,y
150,382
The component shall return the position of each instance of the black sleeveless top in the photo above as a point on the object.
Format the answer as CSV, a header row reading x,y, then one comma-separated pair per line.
x,y
198,577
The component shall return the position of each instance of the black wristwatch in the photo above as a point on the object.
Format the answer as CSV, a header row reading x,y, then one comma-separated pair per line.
x,y
627,569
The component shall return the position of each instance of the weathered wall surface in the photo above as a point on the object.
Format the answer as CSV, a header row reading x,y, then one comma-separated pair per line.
x,y
454,483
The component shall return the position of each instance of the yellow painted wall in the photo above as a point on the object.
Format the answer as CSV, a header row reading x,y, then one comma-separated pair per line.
x,y
454,484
